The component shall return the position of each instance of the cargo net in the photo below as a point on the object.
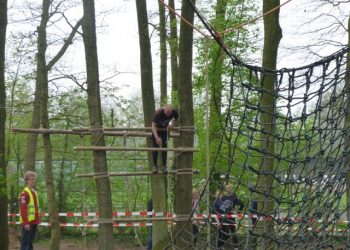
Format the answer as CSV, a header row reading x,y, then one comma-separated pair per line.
x,y
279,177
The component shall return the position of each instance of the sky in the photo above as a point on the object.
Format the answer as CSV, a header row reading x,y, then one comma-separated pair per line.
x,y
118,45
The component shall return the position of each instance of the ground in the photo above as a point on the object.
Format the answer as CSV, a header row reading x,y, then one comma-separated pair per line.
x,y
64,244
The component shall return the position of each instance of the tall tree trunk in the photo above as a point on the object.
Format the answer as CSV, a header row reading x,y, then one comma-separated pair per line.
x,y
173,44
159,229
95,114
174,51
216,58
32,139
347,126
42,80
3,188
272,37
183,185
61,186
163,55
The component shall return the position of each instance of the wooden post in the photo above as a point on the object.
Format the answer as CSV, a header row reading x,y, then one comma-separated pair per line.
x,y
102,148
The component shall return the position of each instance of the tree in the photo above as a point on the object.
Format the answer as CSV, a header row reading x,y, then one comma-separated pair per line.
x,y
272,37
43,68
183,185
159,229
103,186
347,124
163,55
173,44
3,188
42,88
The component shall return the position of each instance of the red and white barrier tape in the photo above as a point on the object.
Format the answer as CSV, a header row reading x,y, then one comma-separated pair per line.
x,y
115,214
92,225
195,216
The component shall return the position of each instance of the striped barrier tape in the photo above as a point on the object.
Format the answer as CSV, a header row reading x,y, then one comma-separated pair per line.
x,y
115,214
91,225
195,216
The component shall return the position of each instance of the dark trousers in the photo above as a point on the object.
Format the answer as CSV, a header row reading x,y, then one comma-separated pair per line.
x,y
195,232
28,237
149,240
164,137
226,232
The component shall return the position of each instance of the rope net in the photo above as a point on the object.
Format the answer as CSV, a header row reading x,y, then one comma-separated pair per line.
x,y
288,169
284,151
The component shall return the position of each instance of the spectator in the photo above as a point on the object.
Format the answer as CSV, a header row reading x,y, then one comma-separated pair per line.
x,y
29,211
226,226
253,211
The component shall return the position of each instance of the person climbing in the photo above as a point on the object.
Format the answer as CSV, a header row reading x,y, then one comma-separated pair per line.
x,y
163,119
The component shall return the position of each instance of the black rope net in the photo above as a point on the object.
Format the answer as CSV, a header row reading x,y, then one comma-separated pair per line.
x,y
284,160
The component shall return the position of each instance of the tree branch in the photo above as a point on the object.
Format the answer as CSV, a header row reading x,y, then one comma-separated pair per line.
x,y
65,46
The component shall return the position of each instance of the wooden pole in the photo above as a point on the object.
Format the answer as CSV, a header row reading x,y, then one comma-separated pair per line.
x,y
171,172
125,132
128,129
101,148
46,131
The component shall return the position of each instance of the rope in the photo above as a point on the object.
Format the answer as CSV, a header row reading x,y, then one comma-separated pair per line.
x,y
254,20
300,198
183,19
101,175
105,220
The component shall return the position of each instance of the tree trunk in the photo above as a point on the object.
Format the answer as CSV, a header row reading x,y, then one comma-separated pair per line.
x,y
215,84
42,80
272,37
4,242
173,44
174,51
163,55
159,230
347,126
32,138
183,185
61,182
95,115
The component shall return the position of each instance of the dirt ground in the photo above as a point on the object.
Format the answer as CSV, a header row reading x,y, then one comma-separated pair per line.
x,y
64,244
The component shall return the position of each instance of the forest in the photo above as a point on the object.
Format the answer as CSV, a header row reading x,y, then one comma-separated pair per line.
x,y
262,91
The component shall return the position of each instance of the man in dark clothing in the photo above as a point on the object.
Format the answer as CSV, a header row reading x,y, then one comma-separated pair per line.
x,y
253,211
227,226
163,119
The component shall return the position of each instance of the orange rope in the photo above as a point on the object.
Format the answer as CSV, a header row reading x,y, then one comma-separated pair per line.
x,y
255,19
187,22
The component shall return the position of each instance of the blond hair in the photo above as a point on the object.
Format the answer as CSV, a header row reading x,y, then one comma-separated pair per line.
x,y
29,174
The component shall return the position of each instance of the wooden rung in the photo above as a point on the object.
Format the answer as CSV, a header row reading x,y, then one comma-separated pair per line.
x,y
125,129
170,172
106,148
45,131
134,133
87,132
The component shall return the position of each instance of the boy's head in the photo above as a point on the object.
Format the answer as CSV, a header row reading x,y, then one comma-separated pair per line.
x,y
29,178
